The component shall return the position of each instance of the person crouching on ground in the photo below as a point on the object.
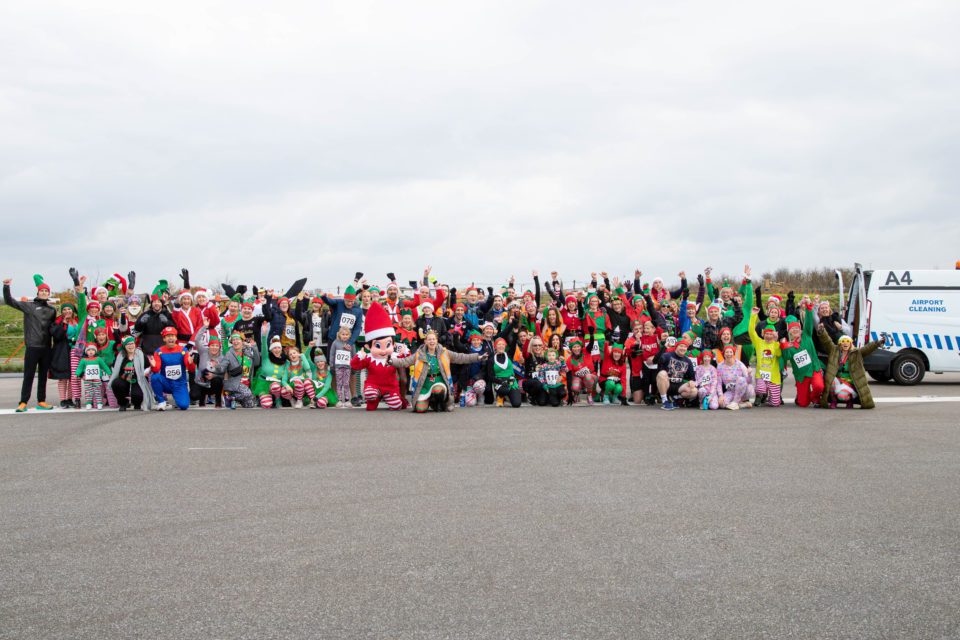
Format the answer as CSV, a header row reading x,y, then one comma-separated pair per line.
x,y
846,379
171,367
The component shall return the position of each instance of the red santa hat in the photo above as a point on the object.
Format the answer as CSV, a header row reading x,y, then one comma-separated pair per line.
x,y
376,324
774,299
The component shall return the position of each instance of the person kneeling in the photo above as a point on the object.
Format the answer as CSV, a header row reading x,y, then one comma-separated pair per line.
x,y
432,381
676,376
170,366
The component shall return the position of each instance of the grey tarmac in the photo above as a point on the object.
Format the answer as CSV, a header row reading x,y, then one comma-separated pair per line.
x,y
485,523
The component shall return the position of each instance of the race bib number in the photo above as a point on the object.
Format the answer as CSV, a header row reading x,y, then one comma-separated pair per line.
x,y
317,328
595,351
92,372
290,331
697,343
341,358
347,321
801,358
706,379
765,376
552,377
173,372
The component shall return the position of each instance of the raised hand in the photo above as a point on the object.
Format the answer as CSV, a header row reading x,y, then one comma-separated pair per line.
x,y
7,281
535,273
755,311
637,274
358,275
75,276
746,270
131,280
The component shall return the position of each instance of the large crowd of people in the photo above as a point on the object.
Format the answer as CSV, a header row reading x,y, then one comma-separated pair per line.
x,y
428,346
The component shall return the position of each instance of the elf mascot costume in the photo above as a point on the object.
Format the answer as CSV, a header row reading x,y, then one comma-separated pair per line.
x,y
382,382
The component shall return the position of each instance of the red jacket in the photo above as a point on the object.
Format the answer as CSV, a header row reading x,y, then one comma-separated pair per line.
x,y
187,322
416,302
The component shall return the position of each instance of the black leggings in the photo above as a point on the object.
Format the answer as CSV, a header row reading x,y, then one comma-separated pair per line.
x,y
35,360
201,393
127,393
555,395
535,392
504,391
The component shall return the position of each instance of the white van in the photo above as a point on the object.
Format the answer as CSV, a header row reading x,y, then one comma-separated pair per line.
x,y
919,310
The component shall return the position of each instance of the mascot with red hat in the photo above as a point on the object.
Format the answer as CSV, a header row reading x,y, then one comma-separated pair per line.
x,y
382,382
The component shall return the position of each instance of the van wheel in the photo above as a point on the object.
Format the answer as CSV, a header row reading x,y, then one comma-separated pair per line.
x,y
880,376
908,369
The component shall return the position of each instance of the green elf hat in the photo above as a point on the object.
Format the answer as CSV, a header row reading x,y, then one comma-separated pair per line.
x,y
127,340
406,312
69,305
592,294
473,333
375,291
162,287
350,293
575,340
792,322
237,335
770,327
616,347
40,284
97,326
237,298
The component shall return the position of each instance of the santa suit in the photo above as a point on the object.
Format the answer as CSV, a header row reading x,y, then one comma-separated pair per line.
x,y
187,322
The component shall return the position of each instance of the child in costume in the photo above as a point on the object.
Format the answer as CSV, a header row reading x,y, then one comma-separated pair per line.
x,y
768,362
171,367
708,382
106,349
550,375
375,359
342,351
801,353
735,380
93,371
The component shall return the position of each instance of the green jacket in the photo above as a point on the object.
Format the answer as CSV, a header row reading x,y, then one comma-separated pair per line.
x,y
103,369
854,361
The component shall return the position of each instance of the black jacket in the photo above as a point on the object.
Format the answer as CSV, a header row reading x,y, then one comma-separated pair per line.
x,y
38,315
148,327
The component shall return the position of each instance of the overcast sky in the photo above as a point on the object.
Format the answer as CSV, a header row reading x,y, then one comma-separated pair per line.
x,y
268,141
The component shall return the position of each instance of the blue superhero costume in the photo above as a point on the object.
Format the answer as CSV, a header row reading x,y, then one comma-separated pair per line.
x,y
171,370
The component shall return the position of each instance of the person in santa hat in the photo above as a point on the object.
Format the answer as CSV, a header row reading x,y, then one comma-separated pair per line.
x,y
38,317
186,318
375,358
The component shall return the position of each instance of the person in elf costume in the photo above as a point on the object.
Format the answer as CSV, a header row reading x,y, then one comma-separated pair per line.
x,y
229,317
708,382
613,375
325,391
298,378
432,379
268,383
768,362
744,297
501,376
471,380
236,367
171,367
595,323
736,379
94,372
581,373
64,331
375,358
798,349
106,349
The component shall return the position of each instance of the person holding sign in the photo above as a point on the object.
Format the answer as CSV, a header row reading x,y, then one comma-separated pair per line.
x,y
768,361
171,368
801,353
93,371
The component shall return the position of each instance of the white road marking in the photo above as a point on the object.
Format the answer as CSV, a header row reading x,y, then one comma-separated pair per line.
x,y
216,448
920,399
